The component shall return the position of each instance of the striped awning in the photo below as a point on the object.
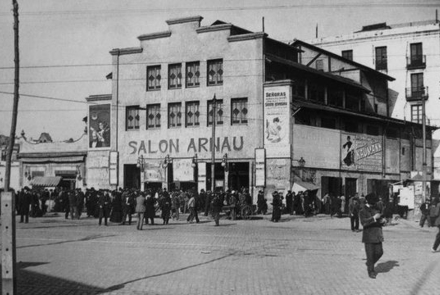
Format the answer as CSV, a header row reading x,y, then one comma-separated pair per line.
x,y
45,181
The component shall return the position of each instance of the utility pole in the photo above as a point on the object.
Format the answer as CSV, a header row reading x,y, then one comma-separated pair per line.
x,y
424,164
9,285
214,105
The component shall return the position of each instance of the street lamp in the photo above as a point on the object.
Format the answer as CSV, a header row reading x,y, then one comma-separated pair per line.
x,y
78,173
141,164
225,162
168,160
194,161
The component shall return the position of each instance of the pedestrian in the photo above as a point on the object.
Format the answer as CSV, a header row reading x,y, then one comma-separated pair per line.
x,y
140,210
116,207
216,207
150,211
191,207
437,223
389,211
25,202
353,212
165,208
289,202
73,204
343,204
261,203
327,203
424,209
127,206
277,204
104,206
175,205
372,235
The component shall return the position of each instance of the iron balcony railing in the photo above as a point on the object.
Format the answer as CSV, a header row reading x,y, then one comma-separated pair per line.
x,y
414,94
416,62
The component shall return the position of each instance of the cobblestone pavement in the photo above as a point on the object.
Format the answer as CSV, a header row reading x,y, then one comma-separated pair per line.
x,y
317,255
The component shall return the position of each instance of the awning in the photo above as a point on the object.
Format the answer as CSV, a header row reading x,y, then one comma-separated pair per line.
x,y
300,185
45,181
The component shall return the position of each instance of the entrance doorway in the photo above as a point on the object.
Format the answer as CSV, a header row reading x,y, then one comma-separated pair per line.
x,y
331,185
132,176
238,175
219,176
350,187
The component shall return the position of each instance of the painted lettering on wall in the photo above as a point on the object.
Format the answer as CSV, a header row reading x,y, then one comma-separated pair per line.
x,y
195,145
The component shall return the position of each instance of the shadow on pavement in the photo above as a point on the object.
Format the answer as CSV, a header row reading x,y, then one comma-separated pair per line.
x,y
88,238
422,280
387,266
30,282
122,285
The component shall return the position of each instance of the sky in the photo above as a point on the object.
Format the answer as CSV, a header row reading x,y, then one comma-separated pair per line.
x,y
64,45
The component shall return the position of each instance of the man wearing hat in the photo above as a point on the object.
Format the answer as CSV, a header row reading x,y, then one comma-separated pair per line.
x,y
276,210
372,235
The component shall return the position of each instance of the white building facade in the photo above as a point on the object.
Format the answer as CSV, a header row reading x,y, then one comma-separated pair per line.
x,y
410,53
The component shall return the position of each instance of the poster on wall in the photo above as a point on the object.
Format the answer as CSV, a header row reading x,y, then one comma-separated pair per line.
x,y
361,152
154,172
183,170
406,197
260,167
99,126
113,168
277,121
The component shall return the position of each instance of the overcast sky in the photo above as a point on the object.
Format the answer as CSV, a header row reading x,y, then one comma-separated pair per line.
x,y
65,44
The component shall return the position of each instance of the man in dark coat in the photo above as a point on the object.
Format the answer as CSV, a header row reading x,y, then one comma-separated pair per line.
x,y
216,207
372,235
104,206
424,208
128,202
277,204
25,202
289,202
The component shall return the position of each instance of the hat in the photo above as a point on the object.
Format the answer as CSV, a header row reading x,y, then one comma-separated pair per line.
x,y
371,198
275,193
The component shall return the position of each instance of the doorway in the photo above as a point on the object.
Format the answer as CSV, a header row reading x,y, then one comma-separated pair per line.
x,y
132,176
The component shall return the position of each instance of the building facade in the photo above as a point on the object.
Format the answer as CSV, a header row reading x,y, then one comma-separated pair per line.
x,y
408,52
275,118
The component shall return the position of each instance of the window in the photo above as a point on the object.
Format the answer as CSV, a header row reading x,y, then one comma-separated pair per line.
x,y
347,54
132,118
193,74
153,116
416,113
416,54
372,130
381,58
215,72
316,92
153,78
192,113
218,112
320,65
417,85
239,111
335,97
175,76
351,102
174,115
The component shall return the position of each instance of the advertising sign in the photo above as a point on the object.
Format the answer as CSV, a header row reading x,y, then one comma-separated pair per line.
x,y
154,172
407,197
99,126
183,170
277,121
260,167
361,152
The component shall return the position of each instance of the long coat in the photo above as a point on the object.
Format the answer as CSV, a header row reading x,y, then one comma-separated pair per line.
x,y
140,204
150,210
372,232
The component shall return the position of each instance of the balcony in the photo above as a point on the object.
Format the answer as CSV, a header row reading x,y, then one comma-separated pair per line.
x,y
416,62
416,94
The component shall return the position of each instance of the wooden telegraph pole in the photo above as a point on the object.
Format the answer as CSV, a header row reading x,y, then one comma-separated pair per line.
x,y
214,105
9,285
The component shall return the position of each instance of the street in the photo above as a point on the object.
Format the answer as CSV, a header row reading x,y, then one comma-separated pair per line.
x,y
317,255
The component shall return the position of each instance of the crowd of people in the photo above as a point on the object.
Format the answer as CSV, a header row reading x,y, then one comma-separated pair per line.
x,y
118,206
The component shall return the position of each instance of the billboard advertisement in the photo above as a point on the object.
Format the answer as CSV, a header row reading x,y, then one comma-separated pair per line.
x,y
277,121
99,126
361,152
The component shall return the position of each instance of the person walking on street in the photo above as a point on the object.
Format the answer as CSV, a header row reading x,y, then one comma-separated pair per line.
x,y
25,202
353,212
150,212
127,205
289,203
140,210
424,208
175,205
437,223
73,204
104,206
191,207
216,207
372,235
277,204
